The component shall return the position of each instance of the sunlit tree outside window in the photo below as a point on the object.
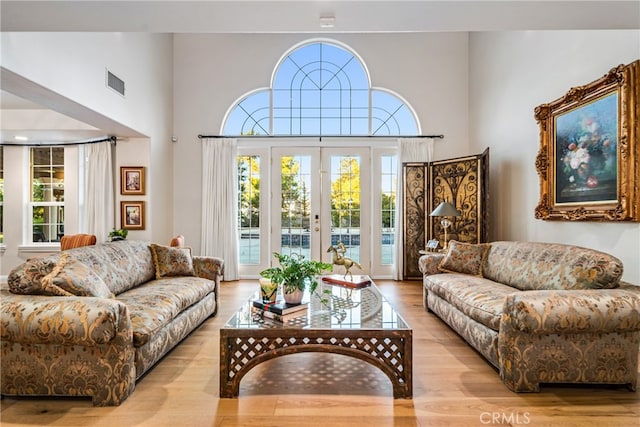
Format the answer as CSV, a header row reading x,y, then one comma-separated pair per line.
x,y
345,203
249,208
295,209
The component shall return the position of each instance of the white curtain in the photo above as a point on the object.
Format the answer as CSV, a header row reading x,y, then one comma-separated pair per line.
x,y
409,150
98,213
220,203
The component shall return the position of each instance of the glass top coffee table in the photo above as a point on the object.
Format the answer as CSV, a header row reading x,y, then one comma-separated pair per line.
x,y
353,322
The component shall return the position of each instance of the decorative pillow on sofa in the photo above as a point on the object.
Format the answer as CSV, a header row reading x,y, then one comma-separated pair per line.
x,y
466,258
26,279
71,277
172,261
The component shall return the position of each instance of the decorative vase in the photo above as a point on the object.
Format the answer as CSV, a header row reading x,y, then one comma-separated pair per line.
x,y
268,290
294,297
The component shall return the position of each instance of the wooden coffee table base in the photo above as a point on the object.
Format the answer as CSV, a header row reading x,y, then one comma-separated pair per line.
x,y
388,350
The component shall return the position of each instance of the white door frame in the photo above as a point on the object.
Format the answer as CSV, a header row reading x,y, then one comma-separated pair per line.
x,y
370,177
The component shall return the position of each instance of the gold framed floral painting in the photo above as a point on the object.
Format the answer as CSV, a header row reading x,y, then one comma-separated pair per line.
x,y
588,158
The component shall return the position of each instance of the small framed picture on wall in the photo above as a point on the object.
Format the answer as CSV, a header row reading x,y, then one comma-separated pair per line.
x,y
132,180
132,215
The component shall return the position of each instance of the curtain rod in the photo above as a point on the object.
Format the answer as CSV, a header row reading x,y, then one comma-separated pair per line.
x,y
322,136
61,144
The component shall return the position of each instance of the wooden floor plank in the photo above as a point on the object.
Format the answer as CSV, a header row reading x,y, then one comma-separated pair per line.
x,y
453,386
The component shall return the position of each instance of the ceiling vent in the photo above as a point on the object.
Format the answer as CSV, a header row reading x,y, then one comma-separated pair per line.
x,y
115,83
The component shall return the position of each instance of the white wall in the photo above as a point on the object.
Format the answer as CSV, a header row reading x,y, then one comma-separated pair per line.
x,y
135,152
212,71
72,65
512,73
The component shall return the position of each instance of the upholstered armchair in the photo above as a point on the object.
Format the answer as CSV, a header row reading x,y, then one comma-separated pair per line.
x,y
70,241
177,241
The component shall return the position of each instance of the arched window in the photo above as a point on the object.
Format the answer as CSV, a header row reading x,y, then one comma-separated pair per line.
x,y
321,88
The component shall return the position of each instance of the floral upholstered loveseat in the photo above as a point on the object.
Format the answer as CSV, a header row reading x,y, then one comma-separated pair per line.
x,y
539,312
91,321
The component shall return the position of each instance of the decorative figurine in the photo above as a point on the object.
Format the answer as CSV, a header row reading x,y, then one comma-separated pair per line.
x,y
340,259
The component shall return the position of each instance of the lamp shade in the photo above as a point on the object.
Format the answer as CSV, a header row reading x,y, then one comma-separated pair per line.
x,y
445,209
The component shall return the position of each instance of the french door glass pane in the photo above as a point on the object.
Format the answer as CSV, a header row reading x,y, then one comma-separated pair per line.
x,y
345,204
295,188
249,209
388,188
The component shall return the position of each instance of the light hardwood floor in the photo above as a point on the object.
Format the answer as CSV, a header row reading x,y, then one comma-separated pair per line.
x,y
453,386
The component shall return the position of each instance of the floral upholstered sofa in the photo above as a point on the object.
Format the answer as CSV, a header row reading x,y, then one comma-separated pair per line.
x,y
539,312
91,321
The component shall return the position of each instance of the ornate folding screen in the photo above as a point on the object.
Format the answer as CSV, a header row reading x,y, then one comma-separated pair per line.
x,y
462,181
415,191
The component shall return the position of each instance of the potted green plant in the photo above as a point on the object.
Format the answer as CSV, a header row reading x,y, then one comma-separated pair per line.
x,y
295,273
116,235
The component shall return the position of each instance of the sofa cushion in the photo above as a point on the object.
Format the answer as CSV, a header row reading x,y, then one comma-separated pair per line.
x,y
71,277
64,322
466,258
26,279
156,303
479,298
171,261
538,266
122,265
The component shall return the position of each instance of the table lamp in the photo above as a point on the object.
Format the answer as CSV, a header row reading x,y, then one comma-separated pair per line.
x,y
444,210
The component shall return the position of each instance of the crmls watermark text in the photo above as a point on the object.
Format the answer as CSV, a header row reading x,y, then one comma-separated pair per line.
x,y
510,418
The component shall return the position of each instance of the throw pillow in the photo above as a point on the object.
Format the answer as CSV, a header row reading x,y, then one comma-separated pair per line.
x,y
26,279
71,277
466,258
172,261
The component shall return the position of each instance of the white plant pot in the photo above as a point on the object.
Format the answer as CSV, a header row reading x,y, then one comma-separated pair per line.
x,y
293,297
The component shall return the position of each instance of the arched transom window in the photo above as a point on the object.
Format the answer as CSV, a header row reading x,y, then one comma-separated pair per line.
x,y
321,88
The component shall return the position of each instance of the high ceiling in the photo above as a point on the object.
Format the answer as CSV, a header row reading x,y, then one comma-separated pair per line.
x,y
259,16
298,16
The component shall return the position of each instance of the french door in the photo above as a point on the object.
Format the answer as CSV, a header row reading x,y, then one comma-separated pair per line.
x,y
304,200
318,195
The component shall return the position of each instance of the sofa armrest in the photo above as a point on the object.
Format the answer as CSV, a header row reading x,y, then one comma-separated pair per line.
x,y
428,263
572,311
211,268
84,321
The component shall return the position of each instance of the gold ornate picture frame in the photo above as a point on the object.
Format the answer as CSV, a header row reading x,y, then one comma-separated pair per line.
x,y
588,158
132,180
132,215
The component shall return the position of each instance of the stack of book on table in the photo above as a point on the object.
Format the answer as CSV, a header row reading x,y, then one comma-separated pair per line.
x,y
280,311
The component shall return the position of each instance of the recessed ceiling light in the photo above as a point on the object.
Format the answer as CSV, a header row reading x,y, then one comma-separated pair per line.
x,y
20,138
